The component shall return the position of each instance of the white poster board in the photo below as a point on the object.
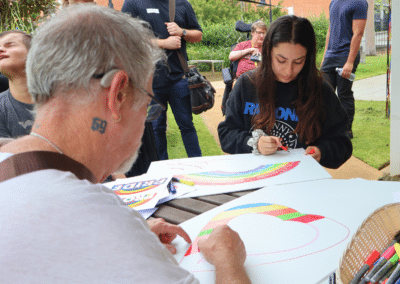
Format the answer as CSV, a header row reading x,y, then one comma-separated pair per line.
x,y
294,233
229,173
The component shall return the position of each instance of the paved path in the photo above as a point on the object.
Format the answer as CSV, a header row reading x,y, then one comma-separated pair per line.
x,y
370,89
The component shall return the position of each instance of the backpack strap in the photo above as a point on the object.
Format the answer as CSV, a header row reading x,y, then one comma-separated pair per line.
x,y
27,162
180,54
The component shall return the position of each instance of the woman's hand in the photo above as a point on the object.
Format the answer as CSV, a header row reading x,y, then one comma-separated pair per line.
x,y
268,145
315,152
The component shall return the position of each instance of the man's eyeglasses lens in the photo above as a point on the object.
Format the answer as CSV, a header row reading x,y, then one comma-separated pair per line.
x,y
153,111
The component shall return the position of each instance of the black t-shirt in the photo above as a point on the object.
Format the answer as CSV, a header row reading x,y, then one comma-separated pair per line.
x,y
3,83
155,12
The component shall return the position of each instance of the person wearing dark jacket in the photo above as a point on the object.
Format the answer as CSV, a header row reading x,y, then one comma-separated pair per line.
x,y
285,101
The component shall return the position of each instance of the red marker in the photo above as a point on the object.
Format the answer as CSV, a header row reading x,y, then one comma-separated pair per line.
x,y
368,264
311,152
283,148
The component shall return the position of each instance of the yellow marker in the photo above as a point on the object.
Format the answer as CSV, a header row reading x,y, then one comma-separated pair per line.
x,y
190,183
397,248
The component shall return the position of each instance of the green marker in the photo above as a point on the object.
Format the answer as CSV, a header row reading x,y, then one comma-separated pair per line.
x,y
388,265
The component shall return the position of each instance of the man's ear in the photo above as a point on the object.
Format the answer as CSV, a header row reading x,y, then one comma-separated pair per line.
x,y
117,94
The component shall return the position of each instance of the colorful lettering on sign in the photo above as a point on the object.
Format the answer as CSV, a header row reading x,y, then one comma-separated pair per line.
x,y
136,187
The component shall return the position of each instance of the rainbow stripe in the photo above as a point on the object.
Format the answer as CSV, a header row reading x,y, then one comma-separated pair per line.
x,y
139,202
282,212
133,191
231,178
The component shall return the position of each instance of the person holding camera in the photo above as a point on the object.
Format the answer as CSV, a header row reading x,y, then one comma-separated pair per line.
x,y
285,101
245,49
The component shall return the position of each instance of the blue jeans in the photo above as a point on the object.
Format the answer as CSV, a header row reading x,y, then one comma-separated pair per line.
x,y
178,97
340,84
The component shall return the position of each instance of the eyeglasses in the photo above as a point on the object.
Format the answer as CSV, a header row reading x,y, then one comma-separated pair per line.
x,y
155,108
260,33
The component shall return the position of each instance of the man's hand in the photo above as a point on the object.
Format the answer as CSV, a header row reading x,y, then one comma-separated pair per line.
x,y
172,43
174,29
167,232
223,246
347,68
268,145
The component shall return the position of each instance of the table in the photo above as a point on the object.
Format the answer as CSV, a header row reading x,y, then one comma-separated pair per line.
x,y
211,62
179,210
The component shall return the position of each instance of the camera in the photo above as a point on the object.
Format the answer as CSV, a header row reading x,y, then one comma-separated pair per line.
x,y
255,58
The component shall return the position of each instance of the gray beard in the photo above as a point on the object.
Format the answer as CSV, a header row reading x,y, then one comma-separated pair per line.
x,y
128,163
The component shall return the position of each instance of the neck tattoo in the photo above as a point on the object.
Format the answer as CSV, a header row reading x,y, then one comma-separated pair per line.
x,y
47,140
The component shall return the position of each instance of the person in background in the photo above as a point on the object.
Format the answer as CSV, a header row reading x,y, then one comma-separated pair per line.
x,y
245,49
3,83
169,84
347,20
16,105
286,101
92,95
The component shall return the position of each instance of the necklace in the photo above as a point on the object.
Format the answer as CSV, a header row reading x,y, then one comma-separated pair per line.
x,y
47,140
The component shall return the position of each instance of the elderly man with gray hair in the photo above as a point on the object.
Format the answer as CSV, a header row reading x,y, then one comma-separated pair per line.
x,y
89,72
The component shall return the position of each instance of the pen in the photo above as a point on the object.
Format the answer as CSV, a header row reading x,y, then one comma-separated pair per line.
x,y
187,182
332,278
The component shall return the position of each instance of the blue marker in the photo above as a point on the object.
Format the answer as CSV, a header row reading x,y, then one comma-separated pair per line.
x,y
171,188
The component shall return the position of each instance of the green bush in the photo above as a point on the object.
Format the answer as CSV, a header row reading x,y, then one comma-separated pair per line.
x,y
219,37
24,14
200,52
320,25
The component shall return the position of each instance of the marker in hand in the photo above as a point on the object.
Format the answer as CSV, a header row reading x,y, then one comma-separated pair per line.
x,y
284,148
311,152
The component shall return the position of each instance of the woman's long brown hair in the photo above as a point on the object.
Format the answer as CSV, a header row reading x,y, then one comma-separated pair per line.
x,y
294,30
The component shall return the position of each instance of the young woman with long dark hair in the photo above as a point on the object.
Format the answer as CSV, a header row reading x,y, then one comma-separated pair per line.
x,y
286,101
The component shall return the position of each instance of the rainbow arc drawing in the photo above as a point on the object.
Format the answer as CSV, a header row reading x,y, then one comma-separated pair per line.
x,y
282,212
232,178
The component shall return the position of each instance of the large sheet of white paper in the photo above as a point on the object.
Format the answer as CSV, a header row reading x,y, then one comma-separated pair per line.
x,y
229,173
294,233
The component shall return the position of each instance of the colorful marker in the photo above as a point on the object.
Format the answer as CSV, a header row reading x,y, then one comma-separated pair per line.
x,y
398,281
171,188
368,264
386,277
311,152
381,262
191,183
283,148
396,239
396,273
385,268
332,278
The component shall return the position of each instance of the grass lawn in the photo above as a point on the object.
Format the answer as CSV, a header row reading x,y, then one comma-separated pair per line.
x,y
176,150
371,128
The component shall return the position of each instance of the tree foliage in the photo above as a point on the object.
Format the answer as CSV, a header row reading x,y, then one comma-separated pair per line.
x,y
210,12
24,14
